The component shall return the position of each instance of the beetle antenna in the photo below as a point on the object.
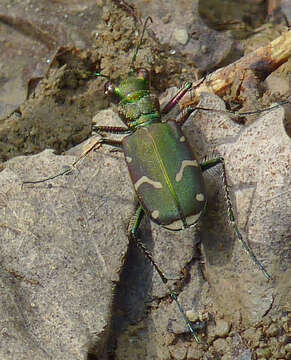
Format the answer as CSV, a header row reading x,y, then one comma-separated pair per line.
x,y
139,42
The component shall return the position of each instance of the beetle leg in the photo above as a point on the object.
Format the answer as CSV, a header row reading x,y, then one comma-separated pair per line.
x,y
174,101
132,234
110,142
185,115
209,164
110,129
176,98
69,169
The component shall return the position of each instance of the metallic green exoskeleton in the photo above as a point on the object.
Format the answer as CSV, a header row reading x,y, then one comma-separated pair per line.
x,y
166,176
165,173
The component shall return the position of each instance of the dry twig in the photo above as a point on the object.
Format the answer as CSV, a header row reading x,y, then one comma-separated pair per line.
x,y
256,65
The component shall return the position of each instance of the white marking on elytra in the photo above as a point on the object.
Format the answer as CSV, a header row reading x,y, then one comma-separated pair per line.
x,y
155,214
128,159
146,180
179,225
175,225
191,220
182,139
184,164
200,197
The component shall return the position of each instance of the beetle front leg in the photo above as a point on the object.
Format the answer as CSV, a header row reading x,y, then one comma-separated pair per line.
x,y
174,101
184,115
132,234
180,94
204,167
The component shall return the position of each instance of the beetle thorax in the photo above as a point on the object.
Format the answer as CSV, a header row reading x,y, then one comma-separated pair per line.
x,y
143,111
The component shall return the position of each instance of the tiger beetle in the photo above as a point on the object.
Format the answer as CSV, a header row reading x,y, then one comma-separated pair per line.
x,y
166,176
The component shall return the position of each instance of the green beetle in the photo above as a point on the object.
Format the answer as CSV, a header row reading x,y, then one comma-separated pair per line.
x,y
166,176
168,180
164,171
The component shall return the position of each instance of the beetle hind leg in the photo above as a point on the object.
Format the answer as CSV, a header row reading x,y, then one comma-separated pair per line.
x,y
208,164
132,234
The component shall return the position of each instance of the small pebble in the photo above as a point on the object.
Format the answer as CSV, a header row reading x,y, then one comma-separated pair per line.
x,y
263,353
272,330
221,345
178,351
166,19
222,328
192,315
227,357
181,36
204,49
194,353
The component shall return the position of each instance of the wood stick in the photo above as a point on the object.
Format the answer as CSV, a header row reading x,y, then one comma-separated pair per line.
x,y
260,63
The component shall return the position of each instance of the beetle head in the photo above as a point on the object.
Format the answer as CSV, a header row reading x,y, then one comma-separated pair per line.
x,y
129,89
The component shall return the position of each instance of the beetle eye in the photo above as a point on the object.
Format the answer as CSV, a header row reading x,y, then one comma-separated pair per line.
x,y
142,74
109,88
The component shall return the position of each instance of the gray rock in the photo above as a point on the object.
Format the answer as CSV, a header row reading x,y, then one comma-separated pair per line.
x,y
63,245
62,248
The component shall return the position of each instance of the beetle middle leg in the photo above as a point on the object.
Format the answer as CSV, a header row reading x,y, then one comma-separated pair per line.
x,y
111,129
206,165
99,129
69,169
134,224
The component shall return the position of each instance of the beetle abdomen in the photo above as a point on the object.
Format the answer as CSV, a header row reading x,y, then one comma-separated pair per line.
x,y
165,174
